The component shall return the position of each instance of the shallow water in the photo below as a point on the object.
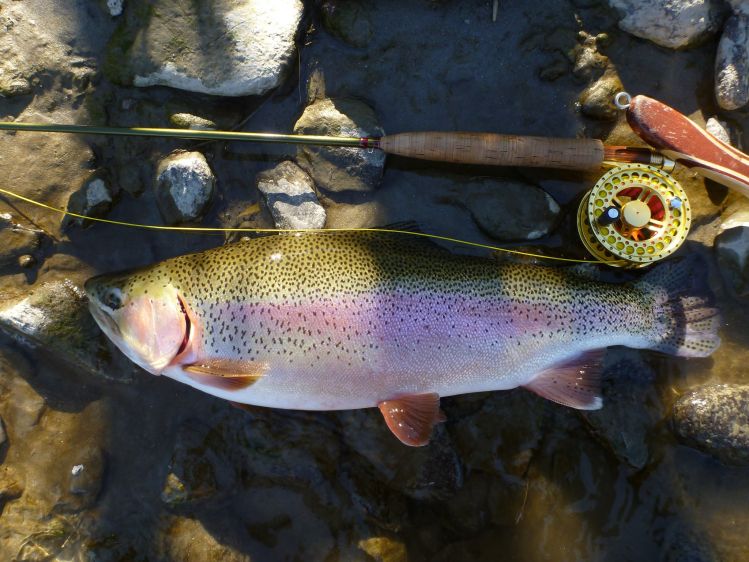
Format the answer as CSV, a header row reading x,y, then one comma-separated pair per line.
x,y
508,475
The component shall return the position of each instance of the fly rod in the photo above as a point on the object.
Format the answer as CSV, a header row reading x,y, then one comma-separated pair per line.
x,y
454,147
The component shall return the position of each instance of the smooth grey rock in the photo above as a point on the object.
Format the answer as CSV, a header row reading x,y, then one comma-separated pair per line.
x,y
224,48
55,319
16,240
290,196
597,100
719,129
732,63
189,121
675,24
508,210
340,168
732,249
714,419
184,186
93,199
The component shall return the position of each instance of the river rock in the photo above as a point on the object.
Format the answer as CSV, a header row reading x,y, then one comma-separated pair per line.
x,y
16,240
198,469
290,196
384,549
55,318
597,100
508,210
719,129
349,20
93,199
732,249
669,23
715,420
189,121
3,435
732,63
180,538
86,476
224,48
184,186
340,168
589,63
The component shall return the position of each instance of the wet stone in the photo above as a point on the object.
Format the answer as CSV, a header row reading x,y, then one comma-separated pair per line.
x,y
184,187
247,48
384,549
340,168
289,194
732,63
189,121
3,434
93,199
349,20
55,319
675,25
589,63
597,101
732,249
16,241
715,420
508,210
198,470
11,485
180,538
85,479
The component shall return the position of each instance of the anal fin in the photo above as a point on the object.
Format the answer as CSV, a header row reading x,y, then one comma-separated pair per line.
x,y
411,417
227,374
575,383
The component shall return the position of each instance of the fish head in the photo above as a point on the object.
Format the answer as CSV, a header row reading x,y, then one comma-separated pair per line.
x,y
143,314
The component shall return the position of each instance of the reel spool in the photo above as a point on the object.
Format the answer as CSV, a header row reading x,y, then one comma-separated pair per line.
x,y
635,215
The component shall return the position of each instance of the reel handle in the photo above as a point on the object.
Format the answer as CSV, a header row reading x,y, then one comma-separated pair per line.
x,y
496,150
680,139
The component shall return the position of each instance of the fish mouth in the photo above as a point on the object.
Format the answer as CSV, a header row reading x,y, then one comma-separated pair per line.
x,y
188,328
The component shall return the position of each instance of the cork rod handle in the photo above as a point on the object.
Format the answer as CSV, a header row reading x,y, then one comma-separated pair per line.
x,y
497,150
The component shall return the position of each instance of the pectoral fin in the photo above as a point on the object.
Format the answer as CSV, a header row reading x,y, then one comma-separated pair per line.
x,y
575,383
411,417
227,374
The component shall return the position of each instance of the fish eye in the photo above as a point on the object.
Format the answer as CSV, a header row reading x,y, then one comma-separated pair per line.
x,y
112,298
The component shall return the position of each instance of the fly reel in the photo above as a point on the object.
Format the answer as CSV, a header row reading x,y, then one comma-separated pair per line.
x,y
636,214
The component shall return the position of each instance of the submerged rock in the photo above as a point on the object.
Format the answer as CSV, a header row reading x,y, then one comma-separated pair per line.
x,y
93,199
667,23
589,63
384,549
180,538
198,469
349,20
16,241
732,63
223,48
3,435
290,196
715,419
340,168
597,100
732,249
508,210
184,187
86,477
55,319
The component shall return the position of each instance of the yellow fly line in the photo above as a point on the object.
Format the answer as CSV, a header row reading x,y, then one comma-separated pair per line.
x,y
214,229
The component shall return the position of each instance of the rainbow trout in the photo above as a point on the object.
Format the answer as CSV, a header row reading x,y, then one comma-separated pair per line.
x,y
330,321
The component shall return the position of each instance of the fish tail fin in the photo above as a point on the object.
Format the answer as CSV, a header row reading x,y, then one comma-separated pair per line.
x,y
687,320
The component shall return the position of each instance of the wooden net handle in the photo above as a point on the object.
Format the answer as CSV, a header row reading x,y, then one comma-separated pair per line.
x,y
496,150
680,139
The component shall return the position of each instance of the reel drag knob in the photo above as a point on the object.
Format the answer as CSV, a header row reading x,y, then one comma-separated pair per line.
x,y
635,215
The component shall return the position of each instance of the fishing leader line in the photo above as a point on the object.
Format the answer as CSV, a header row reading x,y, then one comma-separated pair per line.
x,y
216,229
